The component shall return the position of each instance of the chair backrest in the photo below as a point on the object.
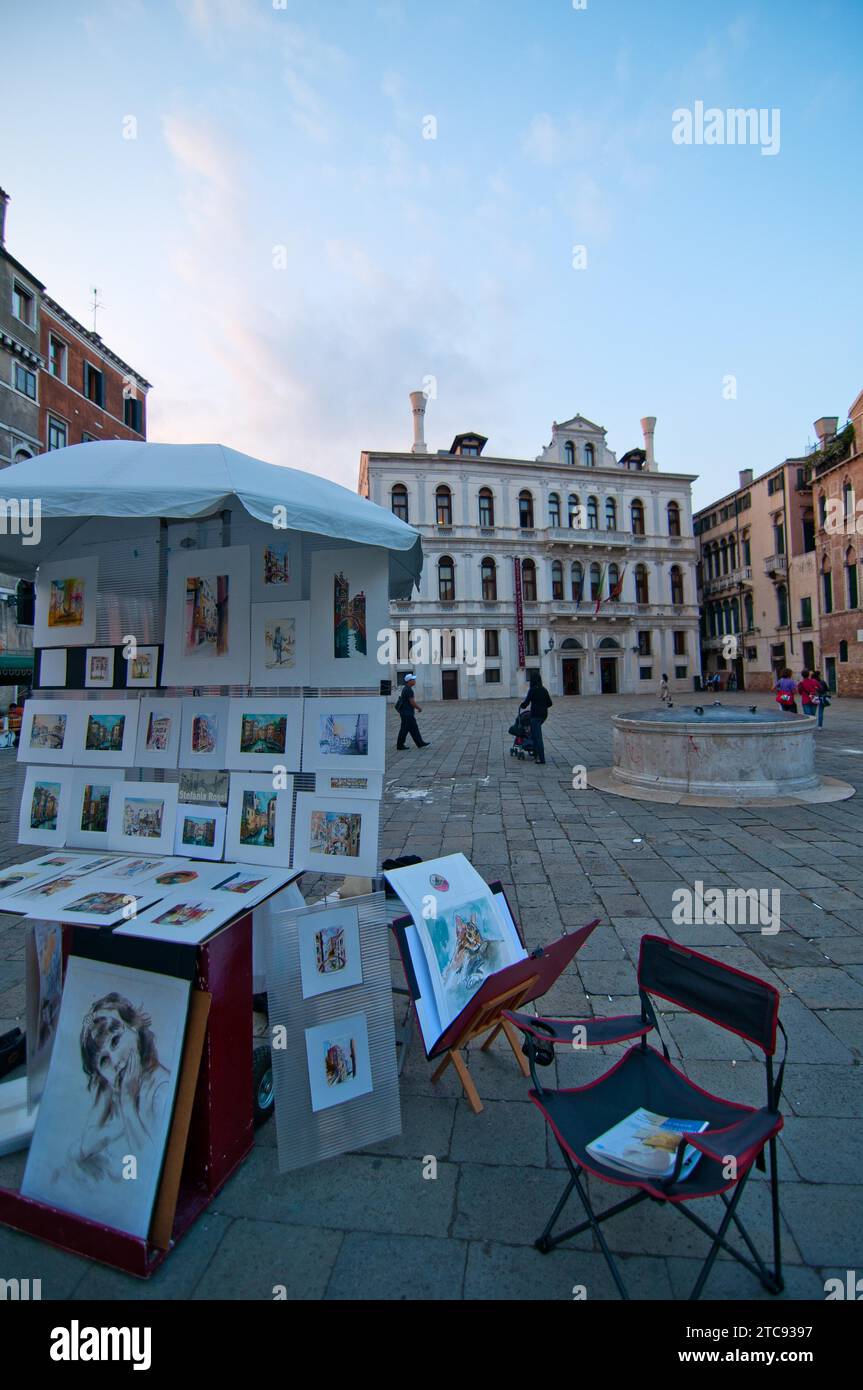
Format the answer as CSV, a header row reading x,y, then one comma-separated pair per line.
x,y
741,1003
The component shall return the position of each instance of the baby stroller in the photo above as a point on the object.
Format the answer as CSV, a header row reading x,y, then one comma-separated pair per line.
x,y
522,746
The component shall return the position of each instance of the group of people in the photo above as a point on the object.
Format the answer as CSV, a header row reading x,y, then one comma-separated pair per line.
x,y
814,693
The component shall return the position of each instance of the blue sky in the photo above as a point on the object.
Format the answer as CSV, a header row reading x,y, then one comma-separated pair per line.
x,y
282,253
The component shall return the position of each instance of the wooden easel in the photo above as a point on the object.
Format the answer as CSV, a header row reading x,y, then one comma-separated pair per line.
x,y
489,1017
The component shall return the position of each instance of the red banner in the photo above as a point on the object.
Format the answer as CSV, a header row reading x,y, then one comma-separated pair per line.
x,y
519,613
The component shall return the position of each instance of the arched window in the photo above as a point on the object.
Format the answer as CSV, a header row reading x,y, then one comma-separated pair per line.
x,y
445,579
711,621
735,615
589,456
592,514
22,455
822,509
676,584
443,505
595,581
486,507
852,587
528,581
574,512
826,587
847,499
525,509
781,605
576,574
637,513
673,519
557,579
726,616
723,550
554,509
613,581
569,452
732,552
399,501
608,644
610,514
642,585
748,612
488,578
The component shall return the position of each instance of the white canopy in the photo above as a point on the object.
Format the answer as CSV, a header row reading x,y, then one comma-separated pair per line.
x,y
115,478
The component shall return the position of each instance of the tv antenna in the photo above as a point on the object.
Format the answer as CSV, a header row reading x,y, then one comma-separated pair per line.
x,y
97,304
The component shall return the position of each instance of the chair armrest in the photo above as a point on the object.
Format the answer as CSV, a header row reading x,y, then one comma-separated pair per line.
x,y
561,1032
742,1141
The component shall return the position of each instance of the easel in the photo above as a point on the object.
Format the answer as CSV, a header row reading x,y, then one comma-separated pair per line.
x,y
489,1017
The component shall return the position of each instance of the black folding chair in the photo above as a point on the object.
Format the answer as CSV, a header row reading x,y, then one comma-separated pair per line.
x,y
736,1136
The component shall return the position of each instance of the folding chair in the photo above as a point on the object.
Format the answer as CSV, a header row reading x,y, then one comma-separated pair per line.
x,y
736,1136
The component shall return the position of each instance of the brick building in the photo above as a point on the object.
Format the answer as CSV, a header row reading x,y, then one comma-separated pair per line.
x,y
837,483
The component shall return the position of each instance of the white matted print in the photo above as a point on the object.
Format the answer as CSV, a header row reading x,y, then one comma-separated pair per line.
x,y
249,884
142,669
52,668
200,831
349,607
44,812
280,644
330,956
106,733
48,731
259,821
345,733
207,617
159,726
141,818
90,803
204,733
109,1093
66,599
370,784
339,1063
276,561
99,668
336,835
263,734
185,917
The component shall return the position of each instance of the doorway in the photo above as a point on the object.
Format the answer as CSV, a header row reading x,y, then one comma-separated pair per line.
x,y
449,685
830,672
571,678
608,675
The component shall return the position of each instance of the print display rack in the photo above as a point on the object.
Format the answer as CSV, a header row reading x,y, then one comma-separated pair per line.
x,y
220,1125
508,989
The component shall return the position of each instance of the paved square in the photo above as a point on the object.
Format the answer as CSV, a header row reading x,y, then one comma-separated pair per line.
x,y
369,1225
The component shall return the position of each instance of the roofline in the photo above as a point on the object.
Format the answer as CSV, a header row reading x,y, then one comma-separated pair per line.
x,y
94,339
7,256
576,470
802,458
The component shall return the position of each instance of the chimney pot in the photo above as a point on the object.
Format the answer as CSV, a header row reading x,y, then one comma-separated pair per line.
x,y
648,425
4,203
825,428
418,410
746,476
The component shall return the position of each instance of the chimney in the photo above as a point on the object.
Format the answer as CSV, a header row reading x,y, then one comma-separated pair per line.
x,y
648,425
746,476
418,410
825,428
4,203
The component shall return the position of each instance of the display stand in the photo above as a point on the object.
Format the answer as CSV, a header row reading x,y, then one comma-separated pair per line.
x,y
221,1130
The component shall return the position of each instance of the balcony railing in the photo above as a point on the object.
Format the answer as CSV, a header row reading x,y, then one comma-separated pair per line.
x,y
776,566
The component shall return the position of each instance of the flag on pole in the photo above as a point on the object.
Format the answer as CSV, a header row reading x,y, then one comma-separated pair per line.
x,y
599,591
617,589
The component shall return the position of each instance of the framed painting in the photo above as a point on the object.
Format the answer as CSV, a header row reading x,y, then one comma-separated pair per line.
x,y
370,784
280,644
350,606
204,731
207,617
44,813
338,1058
109,1093
259,821
330,956
141,817
344,733
264,733
52,668
276,559
200,831
66,601
184,917
336,835
142,669
159,727
89,806
48,731
99,668
106,733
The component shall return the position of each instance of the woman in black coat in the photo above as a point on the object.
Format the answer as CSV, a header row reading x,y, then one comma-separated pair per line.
x,y
537,703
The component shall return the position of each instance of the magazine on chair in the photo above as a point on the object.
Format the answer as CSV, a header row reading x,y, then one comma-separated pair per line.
x,y
645,1145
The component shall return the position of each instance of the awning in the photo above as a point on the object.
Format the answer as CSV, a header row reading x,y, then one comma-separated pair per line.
x,y
116,478
16,668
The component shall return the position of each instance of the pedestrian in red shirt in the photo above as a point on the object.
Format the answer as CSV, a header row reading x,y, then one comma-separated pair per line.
x,y
809,690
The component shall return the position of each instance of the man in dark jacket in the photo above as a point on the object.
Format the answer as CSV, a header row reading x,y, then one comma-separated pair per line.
x,y
537,702
407,708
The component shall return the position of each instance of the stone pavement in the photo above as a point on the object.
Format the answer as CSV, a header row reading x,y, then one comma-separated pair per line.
x,y
368,1225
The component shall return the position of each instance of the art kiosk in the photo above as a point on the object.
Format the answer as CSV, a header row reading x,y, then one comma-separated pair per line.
x,y
201,617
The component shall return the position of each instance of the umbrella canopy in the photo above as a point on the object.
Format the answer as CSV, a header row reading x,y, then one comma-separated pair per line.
x,y
116,478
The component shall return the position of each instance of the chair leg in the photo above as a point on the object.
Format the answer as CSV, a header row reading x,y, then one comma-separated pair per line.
x,y
777,1235
718,1242
544,1244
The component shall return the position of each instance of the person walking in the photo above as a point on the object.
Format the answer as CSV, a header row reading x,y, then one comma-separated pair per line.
x,y
537,703
408,709
664,693
786,689
809,689
823,696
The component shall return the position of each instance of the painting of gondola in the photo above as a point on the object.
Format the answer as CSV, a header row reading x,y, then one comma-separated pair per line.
x,y
45,806
206,619
258,819
263,733
200,831
349,619
105,733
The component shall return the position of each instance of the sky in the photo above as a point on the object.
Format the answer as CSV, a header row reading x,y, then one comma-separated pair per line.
x,y
298,211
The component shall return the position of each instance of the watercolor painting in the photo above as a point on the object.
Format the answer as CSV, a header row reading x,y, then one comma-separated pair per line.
x,y
263,733
205,733
258,819
105,733
276,565
45,805
349,619
280,644
96,799
66,602
183,915
206,615
143,817
48,731
335,833
344,735
338,1060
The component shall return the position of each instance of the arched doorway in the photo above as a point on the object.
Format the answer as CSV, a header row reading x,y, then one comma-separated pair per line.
x,y
609,653
571,666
